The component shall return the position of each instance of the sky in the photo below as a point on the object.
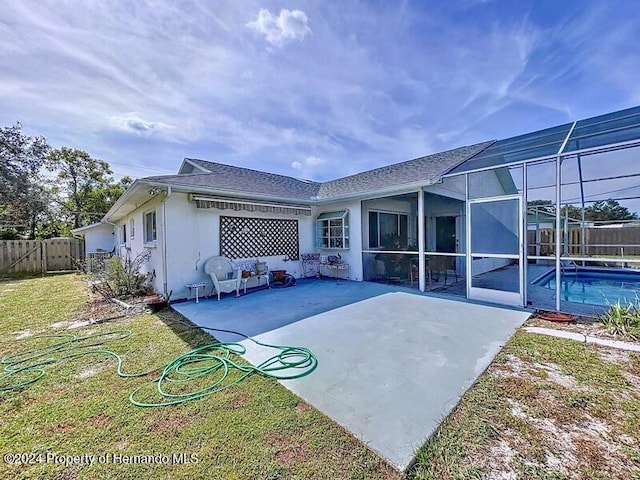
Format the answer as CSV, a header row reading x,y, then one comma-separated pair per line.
x,y
314,89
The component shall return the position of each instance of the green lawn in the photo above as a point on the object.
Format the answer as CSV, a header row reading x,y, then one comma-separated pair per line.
x,y
545,409
255,430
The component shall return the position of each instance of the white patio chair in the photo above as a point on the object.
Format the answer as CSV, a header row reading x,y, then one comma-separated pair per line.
x,y
225,274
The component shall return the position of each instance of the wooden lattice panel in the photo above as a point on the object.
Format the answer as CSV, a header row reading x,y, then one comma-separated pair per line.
x,y
242,237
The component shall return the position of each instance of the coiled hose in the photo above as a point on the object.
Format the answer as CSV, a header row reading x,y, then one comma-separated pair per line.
x,y
213,360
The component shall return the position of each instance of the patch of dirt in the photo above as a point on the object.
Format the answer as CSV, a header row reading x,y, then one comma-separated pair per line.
x,y
586,442
122,444
89,372
302,407
98,310
632,380
239,401
290,449
171,425
62,324
554,374
516,368
613,355
513,367
79,324
555,432
64,428
102,420
54,392
501,454
24,334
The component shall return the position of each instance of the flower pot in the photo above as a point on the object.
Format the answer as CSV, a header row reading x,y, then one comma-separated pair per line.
x,y
279,275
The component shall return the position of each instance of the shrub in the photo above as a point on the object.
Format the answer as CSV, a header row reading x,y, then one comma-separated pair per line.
x,y
122,277
623,319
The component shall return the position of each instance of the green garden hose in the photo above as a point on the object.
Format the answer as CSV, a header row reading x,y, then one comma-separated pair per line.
x,y
212,362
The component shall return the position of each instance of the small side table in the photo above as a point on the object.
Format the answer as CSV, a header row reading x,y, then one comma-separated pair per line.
x,y
197,286
245,280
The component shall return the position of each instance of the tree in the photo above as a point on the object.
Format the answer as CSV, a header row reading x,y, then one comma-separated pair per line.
x,y
83,187
23,199
604,210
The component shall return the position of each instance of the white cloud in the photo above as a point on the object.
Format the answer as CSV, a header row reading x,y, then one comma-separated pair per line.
x,y
311,166
132,122
308,162
280,30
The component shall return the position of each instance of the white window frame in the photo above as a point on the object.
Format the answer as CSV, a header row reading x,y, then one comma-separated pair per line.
x,y
332,230
132,228
146,239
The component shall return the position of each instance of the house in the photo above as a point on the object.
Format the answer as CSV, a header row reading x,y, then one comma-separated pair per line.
x,y
471,201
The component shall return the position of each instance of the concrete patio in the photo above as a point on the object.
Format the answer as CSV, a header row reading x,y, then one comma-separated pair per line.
x,y
393,363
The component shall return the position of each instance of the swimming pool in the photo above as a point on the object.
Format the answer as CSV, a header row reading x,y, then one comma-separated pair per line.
x,y
594,286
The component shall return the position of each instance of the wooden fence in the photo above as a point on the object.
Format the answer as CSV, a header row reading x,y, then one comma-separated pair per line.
x,y
21,257
615,242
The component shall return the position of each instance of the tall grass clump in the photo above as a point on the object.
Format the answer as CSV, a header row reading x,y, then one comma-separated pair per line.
x,y
623,319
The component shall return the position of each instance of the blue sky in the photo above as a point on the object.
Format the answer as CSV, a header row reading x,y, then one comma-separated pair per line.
x,y
313,89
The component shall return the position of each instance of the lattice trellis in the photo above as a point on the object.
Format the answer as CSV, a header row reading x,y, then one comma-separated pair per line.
x,y
242,237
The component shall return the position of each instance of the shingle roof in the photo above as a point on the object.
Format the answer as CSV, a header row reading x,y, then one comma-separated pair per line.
x,y
244,181
426,170
229,178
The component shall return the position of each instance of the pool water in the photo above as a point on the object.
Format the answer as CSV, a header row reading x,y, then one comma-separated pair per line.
x,y
595,286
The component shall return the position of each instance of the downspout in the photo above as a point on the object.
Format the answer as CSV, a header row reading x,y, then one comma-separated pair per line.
x,y
165,276
116,233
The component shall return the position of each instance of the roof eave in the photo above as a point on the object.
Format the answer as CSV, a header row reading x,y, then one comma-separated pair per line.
x,y
80,230
183,188
123,199
385,192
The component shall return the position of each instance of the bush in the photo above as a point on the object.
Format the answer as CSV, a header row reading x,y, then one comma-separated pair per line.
x,y
122,277
623,319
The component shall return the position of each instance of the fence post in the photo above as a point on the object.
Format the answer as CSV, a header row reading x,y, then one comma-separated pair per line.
x,y
45,256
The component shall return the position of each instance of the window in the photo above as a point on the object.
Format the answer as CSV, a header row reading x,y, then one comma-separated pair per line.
x,y
150,235
132,228
332,230
123,233
388,230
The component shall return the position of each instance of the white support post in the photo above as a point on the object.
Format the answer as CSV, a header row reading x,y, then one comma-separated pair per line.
x,y
525,234
558,232
421,242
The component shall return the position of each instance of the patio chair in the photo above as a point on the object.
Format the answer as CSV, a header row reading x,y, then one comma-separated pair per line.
x,y
440,264
225,274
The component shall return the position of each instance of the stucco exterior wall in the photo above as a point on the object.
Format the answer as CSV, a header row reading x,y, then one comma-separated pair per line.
x,y
100,237
135,243
193,236
352,255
